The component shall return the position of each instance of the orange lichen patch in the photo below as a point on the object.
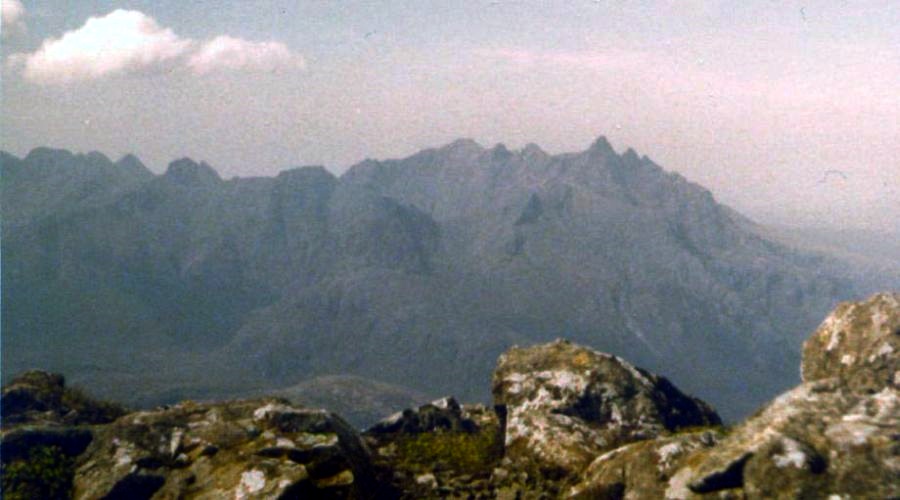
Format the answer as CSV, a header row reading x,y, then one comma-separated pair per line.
x,y
581,359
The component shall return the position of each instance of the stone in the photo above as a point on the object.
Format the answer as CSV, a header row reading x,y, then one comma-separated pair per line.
x,y
641,469
239,449
859,344
834,436
566,404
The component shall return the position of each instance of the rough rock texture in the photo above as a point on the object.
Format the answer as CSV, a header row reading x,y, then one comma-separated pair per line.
x,y
565,404
859,344
641,469
834,436
246,449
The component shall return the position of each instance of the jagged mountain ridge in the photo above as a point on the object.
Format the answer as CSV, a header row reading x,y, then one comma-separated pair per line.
x,y
417,272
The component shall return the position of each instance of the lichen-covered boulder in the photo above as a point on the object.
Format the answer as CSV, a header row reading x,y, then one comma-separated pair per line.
x,y
834,436
859,343
566,404
641,469
242,450
811,442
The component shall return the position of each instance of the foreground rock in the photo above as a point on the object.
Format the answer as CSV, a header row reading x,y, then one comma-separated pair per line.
x,y
566,404
247,449
859,344
567,422
812,442
834,436
241,449
640,469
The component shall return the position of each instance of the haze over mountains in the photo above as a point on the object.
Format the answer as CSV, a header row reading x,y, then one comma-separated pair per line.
x,y
416,273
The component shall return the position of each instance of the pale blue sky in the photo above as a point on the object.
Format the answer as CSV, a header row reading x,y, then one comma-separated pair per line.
x,y
755,100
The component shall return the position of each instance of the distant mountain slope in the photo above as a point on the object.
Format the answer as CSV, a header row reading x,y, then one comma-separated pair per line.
x,y
417,272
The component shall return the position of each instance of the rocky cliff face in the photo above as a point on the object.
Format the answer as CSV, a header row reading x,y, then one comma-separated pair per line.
x,y
567,422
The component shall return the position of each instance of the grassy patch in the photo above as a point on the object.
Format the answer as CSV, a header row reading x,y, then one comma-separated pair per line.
x,y
46,474
466,453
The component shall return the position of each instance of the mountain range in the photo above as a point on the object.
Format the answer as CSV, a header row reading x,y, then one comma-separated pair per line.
x,y
411,274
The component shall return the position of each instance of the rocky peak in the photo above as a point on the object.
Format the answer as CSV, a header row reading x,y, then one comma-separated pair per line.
x,y
464,144
97,157
533,150
630,157
601,148
187,172
500,153
48,156
132,164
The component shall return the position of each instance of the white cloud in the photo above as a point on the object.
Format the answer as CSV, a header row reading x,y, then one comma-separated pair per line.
x,y
228,53
129,41
12,15
122,41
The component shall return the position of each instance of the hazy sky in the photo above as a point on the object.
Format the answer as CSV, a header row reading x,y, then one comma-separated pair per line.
x,y
788,111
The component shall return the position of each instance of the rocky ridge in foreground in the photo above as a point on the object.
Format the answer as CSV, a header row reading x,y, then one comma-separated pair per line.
x,y
567,422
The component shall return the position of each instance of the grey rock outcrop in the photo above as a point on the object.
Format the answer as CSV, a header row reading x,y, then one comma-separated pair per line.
x,y
565,404
641,469
859,343
834,436
244,449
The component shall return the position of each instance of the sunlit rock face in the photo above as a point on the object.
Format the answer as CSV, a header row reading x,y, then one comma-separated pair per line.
x,y
834,436
858,343
565,404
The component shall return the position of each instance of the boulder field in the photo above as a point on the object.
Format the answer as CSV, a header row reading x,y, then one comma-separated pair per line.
x,y
566,422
